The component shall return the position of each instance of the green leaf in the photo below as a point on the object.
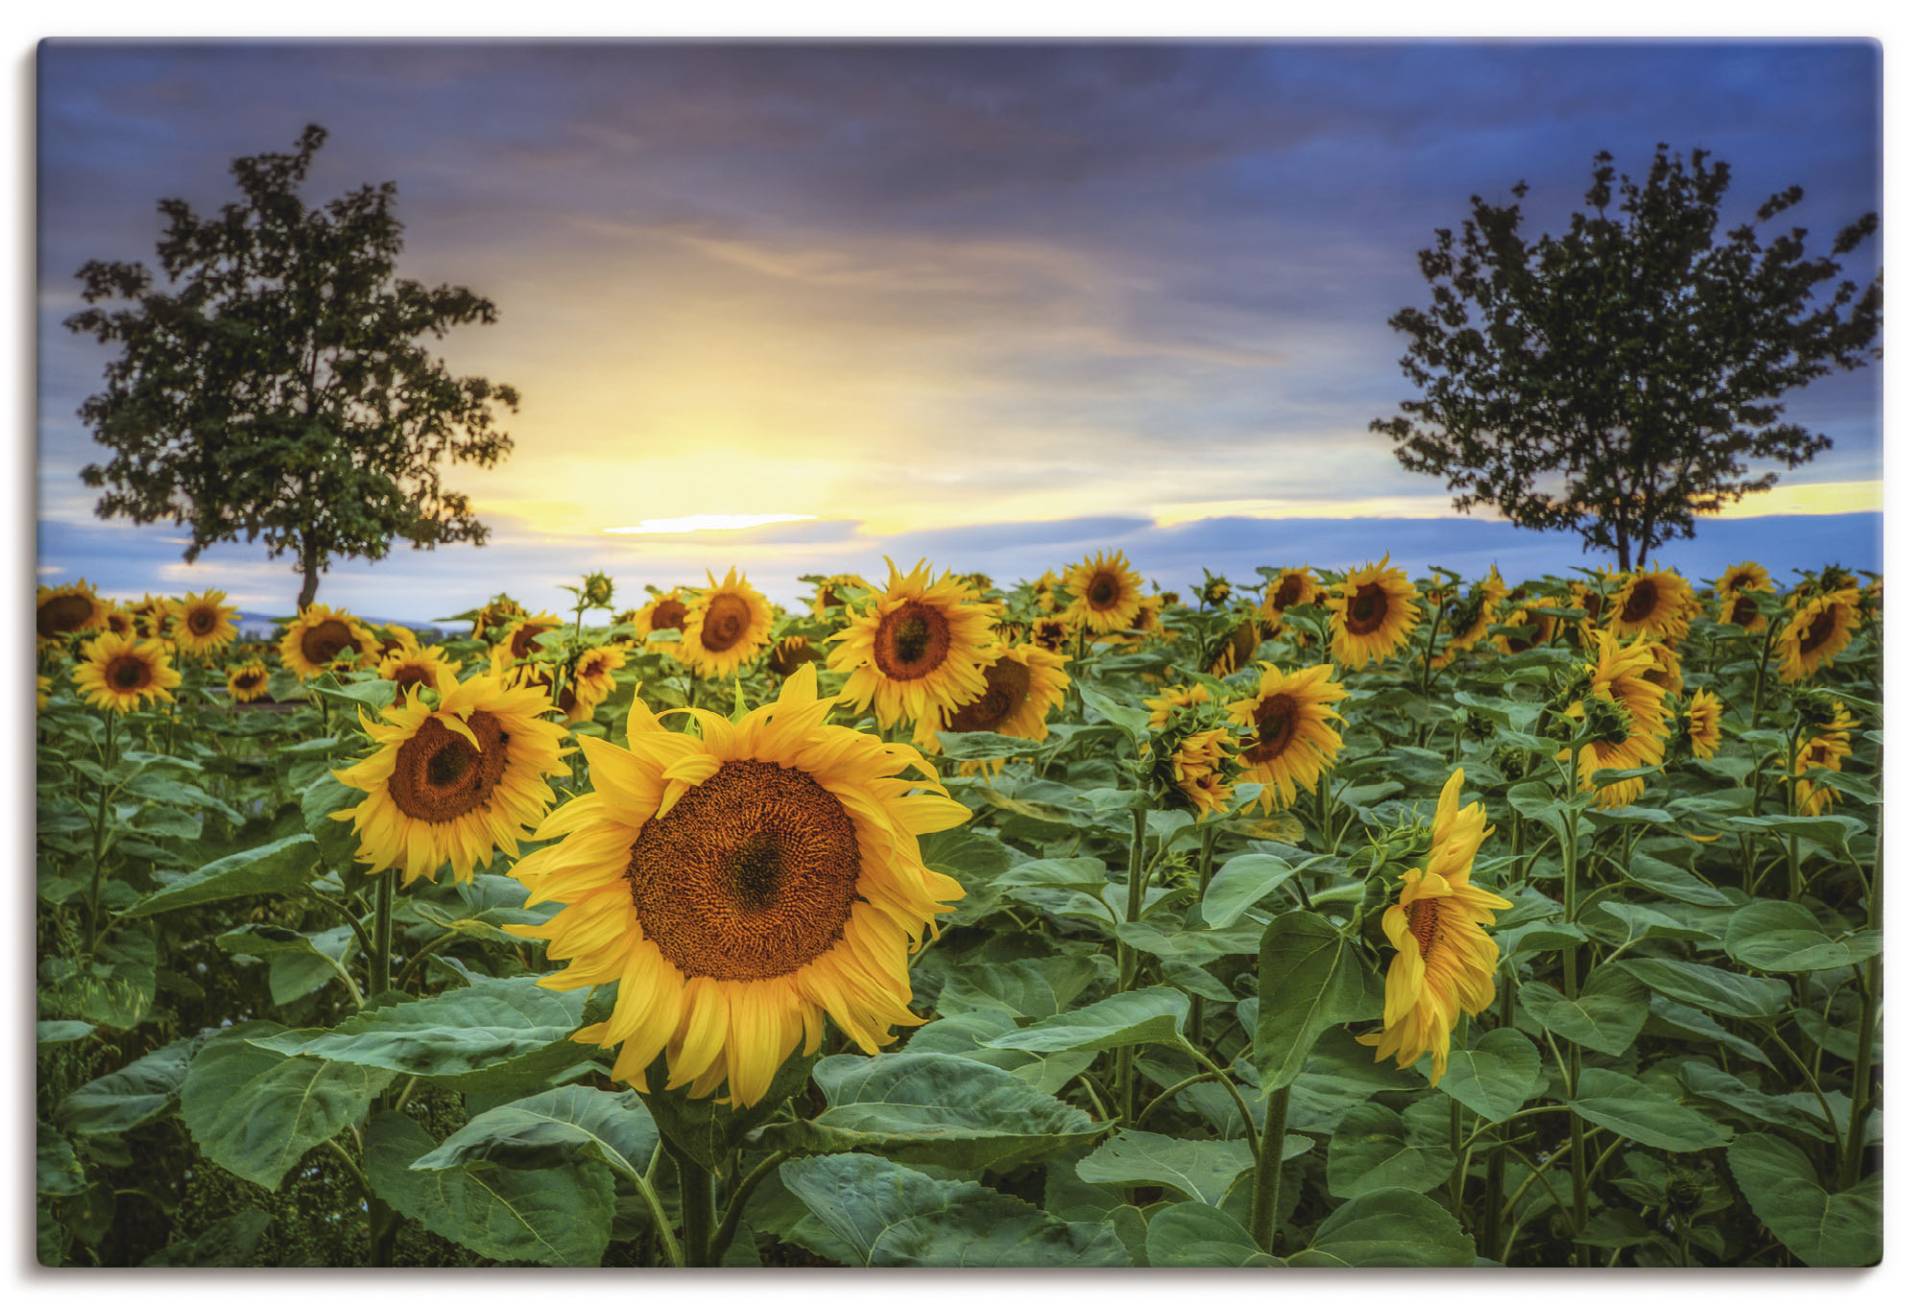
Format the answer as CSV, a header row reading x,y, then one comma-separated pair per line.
x,y
555,1128
556,1216
985,745
1784,937
1665,880
1387,1229
1199,1170
1828,831
1605,1018
57,1170
1309,981
1822,1228
933,1109
710,1131
1196,1236
1022,989
1244,881
138,1093
1711,988
496,1023
256,1112
55,1032
298,964
229,1243
1130,719
277,867
1637,1112
116,988
866,1211
1150,1016
1496,1077
1374,1148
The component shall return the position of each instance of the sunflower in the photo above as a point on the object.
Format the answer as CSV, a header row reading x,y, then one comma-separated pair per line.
x,y
120,621
919,651
1822,751
739,886
500,610
1293,587
453,782
393,638
1235,648
69,609
151,614
1703,724
1103,593
116,673
1024,683
591,682
727,623
1658,603
1736,587
1146,622
1292,720
1374,613
1621,678
203,623
418,667
1162,708
1590,599
42,691
1534,627
1821,627
1666,670
1472,615
826,598
1444,958
519,636
1214,590
1052,633
1199,766
247,682
318,635
665,611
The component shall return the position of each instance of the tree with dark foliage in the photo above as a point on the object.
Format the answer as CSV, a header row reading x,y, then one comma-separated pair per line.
x,y
1627,375
278,388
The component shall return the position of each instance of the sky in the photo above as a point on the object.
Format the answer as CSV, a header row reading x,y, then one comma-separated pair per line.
x,y
997,305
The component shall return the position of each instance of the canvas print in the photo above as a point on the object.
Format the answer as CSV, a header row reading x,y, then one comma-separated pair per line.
x,y
995,654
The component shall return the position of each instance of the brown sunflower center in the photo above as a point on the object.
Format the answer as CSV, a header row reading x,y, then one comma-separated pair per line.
x,y
412,675
1275,720
63,614
670,613
1818,630
1745,610
1008,682
1287,592
912,641
248,680
750,875
1103,590
1423,920
1642,598
201,620
439,776
521,645
325,640
727,621
129,674
1366,610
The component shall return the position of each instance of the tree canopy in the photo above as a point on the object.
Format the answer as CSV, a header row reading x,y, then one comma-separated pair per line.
x,y
279,387
1624,376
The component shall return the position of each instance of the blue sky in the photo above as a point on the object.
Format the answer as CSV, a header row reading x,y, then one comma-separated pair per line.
x,y
997,304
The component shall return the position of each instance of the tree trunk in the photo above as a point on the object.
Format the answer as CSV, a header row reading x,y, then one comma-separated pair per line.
x,y
309,574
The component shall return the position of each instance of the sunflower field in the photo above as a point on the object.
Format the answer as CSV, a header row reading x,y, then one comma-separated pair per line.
x,y
1343,918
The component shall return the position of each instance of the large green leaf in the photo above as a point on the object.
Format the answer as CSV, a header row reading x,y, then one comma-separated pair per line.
x,y
1496,1076
1823,1229
1199,1170
554,1128
228,1243
115,988
1244,881
255,1112
1151,1015
1712,988
1195,1236
1783,937
1375,1148
496,1023
936,1109
1638,1112
866,1211
128,1097
1023,989
277,867
298,964
1309,981
710,1130
56,1169
559,1216
1606,1017
1387,1229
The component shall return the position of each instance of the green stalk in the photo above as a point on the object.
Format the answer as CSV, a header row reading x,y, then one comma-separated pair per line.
x,y
696,1209
100,838
1854,1155
383,1223
1195,1010
1570,898
1128,960
1266,1173
1497,1157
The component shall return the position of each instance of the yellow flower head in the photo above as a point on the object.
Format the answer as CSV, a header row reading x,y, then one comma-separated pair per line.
x,y
69,609
1296,586
1822,751
591,682
247,682
1162,708
418,667
1819,631
740,886
826,599
1736,588
1023,684
917,652
116,673
1374,612
1703,724
1625,676
202,623
727,624
1199,765
319,634
1103,593
520,639
1293,724
1657,603
1536,628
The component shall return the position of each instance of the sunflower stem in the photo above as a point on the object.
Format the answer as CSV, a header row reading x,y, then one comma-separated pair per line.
x,y
1265,1216
696,1209
1195,1010
1136,863
1570,900
100,839
1855,1148
383,1223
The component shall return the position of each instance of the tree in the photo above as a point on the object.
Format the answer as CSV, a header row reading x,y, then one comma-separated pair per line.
x,y
278,389
1622,377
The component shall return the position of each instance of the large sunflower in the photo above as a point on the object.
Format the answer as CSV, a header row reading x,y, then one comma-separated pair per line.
x,y
918,651
203,623
1623,677
1374,613
664,611
1103,593
1295,586
1292,720
247,682
418,667
319,634
1703,724
449,784
1824,750
1532,625
1821,627
1444,958
739,886
727,624
1736,587
591,682
69,609
1022,685
117,673
1657,603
